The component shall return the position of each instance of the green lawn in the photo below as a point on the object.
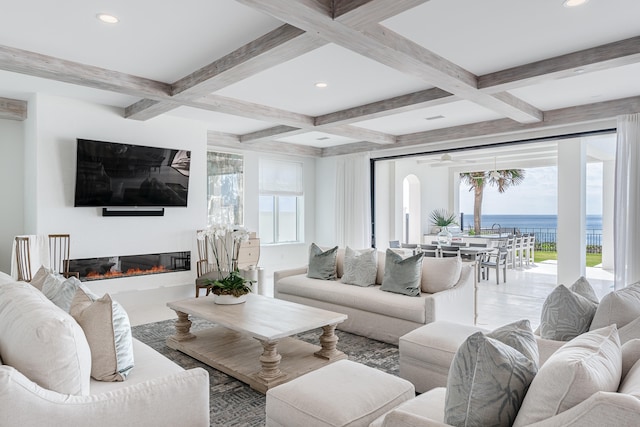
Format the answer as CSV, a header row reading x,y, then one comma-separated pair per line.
x,y
592,259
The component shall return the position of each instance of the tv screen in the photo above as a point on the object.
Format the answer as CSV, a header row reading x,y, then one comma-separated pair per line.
x,y
114,174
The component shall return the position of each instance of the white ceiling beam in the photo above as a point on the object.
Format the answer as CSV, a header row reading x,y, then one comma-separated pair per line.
x,y
225,140
387,47
13,109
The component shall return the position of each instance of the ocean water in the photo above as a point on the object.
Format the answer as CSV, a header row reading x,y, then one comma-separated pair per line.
x,y
528,222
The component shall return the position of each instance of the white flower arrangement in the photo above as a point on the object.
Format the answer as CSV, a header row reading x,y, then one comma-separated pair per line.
x,y
224,244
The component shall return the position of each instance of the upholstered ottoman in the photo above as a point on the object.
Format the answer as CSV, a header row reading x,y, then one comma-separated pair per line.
x,y
344,393
426,353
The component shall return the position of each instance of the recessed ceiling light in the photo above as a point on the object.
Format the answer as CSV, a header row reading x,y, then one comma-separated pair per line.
x,y
106,18
573,3
321,85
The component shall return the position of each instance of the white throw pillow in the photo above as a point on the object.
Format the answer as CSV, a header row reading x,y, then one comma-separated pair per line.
x,y
42,341
440,274
585,365
60,290
619,307
5,278
108,331
565,314
39,278
360,267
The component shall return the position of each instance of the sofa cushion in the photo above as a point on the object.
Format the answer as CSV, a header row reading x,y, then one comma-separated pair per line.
x,y
440,274
630,384
487,382
5,278
619,307
565,314
360,267
108,331
322,264
42,341
630,355
370,299
60,290
402,275
587,364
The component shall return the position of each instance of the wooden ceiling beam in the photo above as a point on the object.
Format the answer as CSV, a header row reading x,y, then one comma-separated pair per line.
x,y
389,48
225,140
13,109
555,120
49,67
616,54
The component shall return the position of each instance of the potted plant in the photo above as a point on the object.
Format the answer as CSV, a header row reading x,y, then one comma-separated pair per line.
x,y
442,218
230,287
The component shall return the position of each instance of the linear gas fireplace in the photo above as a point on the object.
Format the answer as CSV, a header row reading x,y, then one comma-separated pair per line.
x,y
130,265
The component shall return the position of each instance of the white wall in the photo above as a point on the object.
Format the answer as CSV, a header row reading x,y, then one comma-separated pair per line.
x,y
53,126
12,188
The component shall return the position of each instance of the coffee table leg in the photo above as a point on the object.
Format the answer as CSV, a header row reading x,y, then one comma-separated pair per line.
x,y
183,325
270,361
328,342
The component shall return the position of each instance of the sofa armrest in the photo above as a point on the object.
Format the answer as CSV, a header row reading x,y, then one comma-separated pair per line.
x,y
458,303
277,275
400,418
602,408
177,399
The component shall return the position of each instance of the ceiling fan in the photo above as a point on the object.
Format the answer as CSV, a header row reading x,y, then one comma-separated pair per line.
x,y
444,159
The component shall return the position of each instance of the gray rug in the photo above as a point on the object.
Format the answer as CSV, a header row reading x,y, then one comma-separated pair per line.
x,y
234,403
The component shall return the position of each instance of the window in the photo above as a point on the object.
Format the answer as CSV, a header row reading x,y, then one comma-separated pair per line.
x,y
281,201
225,188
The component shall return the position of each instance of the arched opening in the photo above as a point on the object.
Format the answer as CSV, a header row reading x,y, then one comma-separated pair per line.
x,y
411,212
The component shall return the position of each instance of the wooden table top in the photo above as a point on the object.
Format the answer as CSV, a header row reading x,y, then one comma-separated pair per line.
x,y
262,317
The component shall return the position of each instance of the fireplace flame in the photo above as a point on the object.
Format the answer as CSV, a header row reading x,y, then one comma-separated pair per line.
x,y
93,275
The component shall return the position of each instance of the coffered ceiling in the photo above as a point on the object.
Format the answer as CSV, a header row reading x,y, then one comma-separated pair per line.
x,y
399,74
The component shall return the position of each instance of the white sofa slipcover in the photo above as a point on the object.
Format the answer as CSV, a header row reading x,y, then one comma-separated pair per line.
x,y
156,392
377,314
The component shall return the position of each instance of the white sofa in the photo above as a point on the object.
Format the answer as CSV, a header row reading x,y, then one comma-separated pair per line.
x,y
53,349
377,314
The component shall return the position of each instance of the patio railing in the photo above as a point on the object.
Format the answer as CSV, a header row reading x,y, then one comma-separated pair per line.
x,y
546,238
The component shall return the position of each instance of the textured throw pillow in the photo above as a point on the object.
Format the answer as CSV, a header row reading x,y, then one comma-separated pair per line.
x,y
583,287
402,275
322,264
40,277
619,307
585,365
60,290
565,315
440,274
106,325
518,335
360,267
486,384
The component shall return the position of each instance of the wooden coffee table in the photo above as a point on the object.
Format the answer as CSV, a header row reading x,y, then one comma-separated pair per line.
x,y
252,341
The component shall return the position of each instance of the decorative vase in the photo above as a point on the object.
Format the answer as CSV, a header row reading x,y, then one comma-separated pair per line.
x,y
229,299
444,236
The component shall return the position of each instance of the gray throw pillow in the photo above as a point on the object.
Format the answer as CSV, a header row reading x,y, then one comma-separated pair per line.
x,y
402,276
487,383
322,264
360,267
565,315
583,287
518,335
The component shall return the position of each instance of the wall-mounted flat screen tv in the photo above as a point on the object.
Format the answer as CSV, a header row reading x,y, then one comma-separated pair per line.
x,y
114,174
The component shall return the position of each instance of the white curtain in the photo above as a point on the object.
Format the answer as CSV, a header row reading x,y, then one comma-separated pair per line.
x,y
353,201
627,202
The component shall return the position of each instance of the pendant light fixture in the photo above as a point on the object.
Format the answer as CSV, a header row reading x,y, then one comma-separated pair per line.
x,y
494,173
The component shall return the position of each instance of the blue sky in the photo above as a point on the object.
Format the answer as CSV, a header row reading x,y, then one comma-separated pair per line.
x,y
537,195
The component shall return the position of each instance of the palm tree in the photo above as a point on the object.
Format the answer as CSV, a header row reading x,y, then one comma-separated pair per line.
x,y
477,181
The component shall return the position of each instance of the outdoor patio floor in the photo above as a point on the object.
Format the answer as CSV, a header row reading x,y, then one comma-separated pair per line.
x,y
525,291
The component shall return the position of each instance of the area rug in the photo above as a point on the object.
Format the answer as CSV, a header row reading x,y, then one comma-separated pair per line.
x,y
234,403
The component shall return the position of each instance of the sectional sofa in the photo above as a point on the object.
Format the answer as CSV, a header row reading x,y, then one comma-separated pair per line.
x,y
45,368
381,315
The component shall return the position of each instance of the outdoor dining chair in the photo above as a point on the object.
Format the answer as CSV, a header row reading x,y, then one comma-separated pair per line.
x,y
498,261
449,251
430,251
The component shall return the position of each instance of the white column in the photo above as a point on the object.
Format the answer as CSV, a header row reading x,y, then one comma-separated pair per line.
x,y
608,189
571,210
